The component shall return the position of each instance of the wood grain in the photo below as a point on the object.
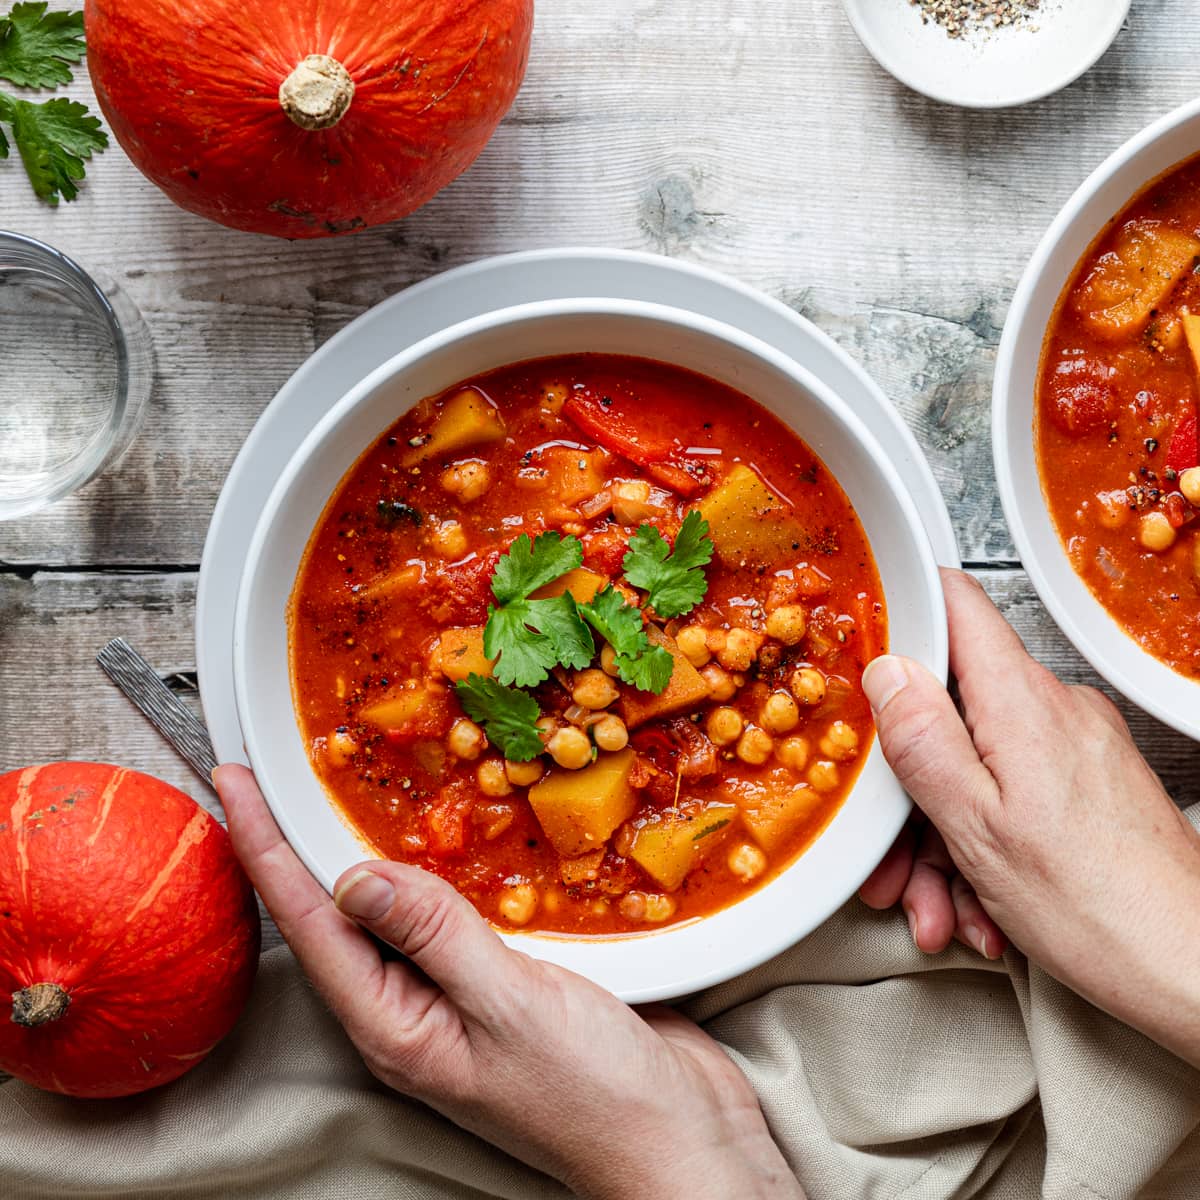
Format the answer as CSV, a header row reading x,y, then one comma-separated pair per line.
x,y
753,137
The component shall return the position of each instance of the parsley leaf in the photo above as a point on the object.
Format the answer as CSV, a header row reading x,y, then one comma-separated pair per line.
x,y
53,138
37,47
638,663
528,566
507,715
674,582
528,637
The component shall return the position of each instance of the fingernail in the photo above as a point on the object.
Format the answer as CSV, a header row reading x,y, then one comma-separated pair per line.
x,y
365,895
914,926
882,679
976,939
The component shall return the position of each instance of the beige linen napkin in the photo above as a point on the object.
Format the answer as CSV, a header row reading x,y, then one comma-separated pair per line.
x,y
883,1073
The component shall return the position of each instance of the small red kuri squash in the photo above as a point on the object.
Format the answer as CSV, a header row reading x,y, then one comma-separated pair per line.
x,y
129,933
304,118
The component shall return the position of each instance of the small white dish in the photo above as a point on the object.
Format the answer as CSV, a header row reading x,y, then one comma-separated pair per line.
x,y
679,959
467,291
1150,684
988,68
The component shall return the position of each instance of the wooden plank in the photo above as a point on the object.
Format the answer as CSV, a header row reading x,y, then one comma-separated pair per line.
x,y
756,138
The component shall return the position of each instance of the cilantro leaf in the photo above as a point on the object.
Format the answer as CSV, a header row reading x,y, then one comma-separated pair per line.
x,y
37,47
528,566
508,716
618,623
645,667
558,619
523,656
650,672
53,138
674,582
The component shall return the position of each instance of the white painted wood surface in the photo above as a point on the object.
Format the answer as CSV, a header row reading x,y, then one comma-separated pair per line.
x,y
752,136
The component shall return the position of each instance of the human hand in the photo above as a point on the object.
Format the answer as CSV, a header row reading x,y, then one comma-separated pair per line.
x,y
1063,836
537,1060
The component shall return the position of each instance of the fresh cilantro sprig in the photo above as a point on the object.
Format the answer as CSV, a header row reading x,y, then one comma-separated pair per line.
x,y
673,579
638,663
529,637
55,137
508,716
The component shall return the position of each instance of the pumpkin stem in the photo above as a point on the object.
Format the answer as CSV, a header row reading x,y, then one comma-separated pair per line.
x,y
39,1003
317,93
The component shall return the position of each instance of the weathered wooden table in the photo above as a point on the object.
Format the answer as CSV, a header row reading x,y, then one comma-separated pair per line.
x,y
755,137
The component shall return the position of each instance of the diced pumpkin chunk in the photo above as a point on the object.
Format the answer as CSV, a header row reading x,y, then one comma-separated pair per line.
x,y
578,810
564,476
747,522
585,869
400,582
683,693
410,714
1191,330
668,848
460,653
773,808
581,583
468,418
1127,283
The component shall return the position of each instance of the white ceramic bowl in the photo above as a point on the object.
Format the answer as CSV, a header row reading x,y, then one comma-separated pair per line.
x,y
679,959
1116,656
994,69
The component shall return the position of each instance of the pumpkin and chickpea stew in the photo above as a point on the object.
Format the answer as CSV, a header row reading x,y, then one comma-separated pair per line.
x,y
585,637
1115,423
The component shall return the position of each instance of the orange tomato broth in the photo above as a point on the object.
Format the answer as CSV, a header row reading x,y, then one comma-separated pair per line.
x,y
1115,418
397,560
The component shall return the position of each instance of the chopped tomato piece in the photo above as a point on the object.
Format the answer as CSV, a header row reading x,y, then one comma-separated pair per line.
x,y
433,721
1081,399
1183,452
446,822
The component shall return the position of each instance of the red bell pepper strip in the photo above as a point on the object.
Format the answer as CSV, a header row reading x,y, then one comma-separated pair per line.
x,y
1183,452
614,432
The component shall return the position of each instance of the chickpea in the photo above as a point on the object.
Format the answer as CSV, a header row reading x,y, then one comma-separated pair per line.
x,y
747,862
467,480
646,906
839,742
466,740
715,639
808,686
449,540
608,661
523,774
340,747
793,752
724,726
787,624
755,746
1189,485
740,650
610,733
492,780
570,748
548,726
693,645
823,775
593,689
518,904
1155,532
720,682
779,714
1112,509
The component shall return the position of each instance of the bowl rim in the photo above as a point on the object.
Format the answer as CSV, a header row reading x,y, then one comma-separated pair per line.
x,y
930,597
1002,402
881,53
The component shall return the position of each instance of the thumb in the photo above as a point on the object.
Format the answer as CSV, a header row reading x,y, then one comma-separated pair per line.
x,y
925,742
431,925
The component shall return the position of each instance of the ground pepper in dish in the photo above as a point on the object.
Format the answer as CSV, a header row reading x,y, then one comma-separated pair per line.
x,y
961,17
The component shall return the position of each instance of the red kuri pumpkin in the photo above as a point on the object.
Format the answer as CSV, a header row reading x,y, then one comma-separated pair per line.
x,y
129,933
304,118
